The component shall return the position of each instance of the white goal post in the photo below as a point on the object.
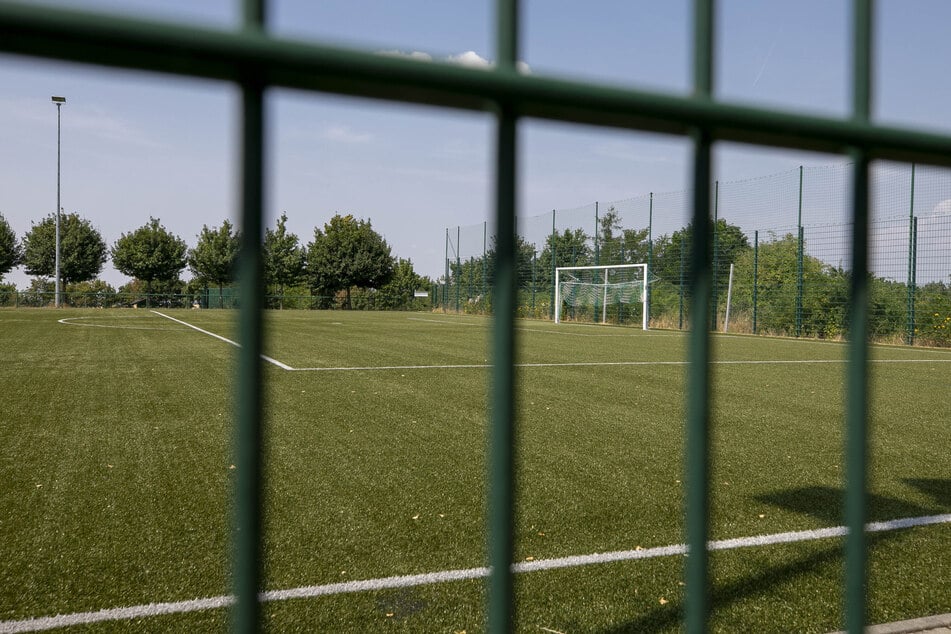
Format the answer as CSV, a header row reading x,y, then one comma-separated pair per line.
x,y
601,285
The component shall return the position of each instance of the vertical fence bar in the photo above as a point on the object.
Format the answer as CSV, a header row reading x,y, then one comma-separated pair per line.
x,y
755,275
458,267
697,440
856,449
534,259
650,249
914,276
683,279
713,290
800,247
248,432
910,285
485,266
554,263
445,291
501,486
597,236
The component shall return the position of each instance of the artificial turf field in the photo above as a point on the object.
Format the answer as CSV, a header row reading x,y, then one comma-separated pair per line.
x,y
115,470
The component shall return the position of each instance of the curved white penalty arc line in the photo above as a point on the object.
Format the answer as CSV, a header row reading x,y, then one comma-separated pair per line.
x,y
283,366
70,321
466,574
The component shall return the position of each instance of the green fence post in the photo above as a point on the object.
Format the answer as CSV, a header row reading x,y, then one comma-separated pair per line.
x,y
910,286
683,279
458,268
650,249
534,256
799,252
485,268
914,278
247,543
597,237
714,314
445,294
501,485
856,449
471,268
554,265
755,275
799,286
697,433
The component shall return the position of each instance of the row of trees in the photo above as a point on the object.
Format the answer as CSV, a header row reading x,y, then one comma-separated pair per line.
x,y
766,295
346,254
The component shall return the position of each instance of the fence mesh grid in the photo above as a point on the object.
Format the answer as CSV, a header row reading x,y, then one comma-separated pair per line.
x,y
254,60
787,236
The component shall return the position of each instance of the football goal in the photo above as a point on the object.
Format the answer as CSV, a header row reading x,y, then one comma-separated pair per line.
x,y
593,292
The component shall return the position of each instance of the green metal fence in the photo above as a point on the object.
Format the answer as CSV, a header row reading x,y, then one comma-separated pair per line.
x,y
254,61
785,237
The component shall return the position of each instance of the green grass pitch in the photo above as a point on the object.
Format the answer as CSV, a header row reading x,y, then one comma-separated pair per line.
x,y
115,467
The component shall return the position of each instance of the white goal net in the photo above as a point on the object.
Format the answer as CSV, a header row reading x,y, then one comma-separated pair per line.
x,y
594,292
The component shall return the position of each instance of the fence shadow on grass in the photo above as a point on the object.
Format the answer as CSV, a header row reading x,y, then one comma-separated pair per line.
x,y
937,488
766,580
823,503
826,504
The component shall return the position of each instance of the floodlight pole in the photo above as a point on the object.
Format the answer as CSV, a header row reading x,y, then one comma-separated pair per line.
x,y
59,101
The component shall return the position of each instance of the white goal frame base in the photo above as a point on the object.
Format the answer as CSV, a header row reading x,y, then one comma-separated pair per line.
x,y
604,307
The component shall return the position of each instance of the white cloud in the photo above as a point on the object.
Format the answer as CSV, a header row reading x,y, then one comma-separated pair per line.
x,y
345,134
470,59
417,55
943,208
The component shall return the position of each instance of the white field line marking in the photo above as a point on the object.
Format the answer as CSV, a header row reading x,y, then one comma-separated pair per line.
x,y
574,334
283,366
69,321
443,322
406,581
575,364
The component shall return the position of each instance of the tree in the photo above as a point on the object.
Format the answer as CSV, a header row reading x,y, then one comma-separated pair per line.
x,y
10,252
824,297
620,246
90,293
670,251
283,257
150,253
82,249
348,253
399,292
524,254
569,248
213,258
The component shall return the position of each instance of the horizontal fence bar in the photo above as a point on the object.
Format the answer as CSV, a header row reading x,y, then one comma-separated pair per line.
x,y
83,36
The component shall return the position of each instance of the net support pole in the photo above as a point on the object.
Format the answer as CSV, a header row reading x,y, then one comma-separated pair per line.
x,y
755,276
646,299
557,302
800,246
650,253
729,300
910,286
554,261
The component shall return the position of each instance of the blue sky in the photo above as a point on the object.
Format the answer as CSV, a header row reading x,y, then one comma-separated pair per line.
x,y
140,145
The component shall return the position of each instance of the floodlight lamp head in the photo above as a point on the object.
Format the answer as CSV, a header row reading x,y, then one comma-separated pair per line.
x,y
58,100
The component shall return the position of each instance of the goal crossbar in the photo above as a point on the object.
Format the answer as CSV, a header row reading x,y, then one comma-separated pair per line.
x,y
636,284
